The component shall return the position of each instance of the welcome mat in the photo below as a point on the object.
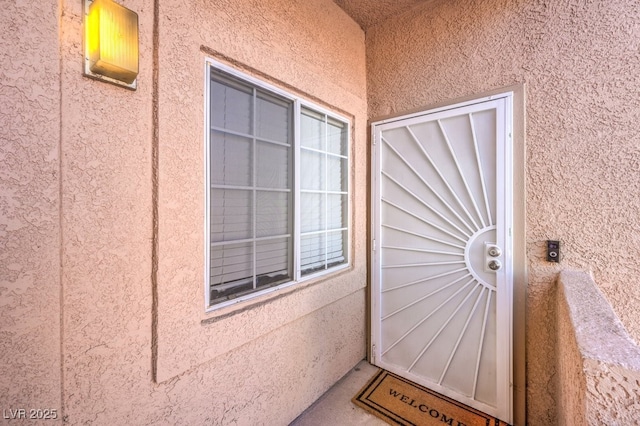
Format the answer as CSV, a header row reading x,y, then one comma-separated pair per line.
x,y
401,402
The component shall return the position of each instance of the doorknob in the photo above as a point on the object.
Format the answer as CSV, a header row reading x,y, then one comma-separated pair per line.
x,y
494,265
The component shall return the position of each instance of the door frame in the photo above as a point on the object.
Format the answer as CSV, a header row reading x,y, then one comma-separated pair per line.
x,y
519,271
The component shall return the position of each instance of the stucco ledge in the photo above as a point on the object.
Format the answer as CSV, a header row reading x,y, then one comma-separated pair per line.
x,y
598,362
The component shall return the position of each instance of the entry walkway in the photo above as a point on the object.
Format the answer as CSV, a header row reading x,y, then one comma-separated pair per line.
x,y
335,406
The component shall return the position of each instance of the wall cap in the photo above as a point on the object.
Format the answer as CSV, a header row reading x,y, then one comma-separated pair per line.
x,y
600,334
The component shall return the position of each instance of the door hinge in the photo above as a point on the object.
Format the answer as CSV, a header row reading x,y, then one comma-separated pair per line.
x,y
373,245
373,354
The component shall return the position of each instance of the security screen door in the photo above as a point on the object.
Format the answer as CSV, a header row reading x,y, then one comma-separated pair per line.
x,y
442,251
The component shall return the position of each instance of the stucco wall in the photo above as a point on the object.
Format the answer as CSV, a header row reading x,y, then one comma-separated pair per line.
x,y
107,232
102,202
578,61
29,206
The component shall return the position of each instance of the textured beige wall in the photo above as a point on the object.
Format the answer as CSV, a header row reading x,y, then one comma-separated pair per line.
x,y
29,207
579,62
263,365
107,232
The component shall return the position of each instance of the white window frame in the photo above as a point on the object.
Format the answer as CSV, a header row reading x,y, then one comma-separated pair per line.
x,y
298,105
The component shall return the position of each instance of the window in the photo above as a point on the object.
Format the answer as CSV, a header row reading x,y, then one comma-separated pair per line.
x,y
277,200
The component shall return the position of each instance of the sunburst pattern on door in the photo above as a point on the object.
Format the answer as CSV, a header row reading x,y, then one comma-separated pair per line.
x,y
438,253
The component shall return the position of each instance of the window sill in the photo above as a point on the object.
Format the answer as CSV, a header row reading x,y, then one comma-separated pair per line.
x,y
215,314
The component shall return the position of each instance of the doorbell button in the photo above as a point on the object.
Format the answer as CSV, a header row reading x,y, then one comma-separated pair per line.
x,y
553,251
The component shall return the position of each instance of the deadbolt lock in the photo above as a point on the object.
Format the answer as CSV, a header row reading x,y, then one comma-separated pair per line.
x,y
494,251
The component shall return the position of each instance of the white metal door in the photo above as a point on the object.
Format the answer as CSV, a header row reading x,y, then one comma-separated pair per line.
x,y
442,251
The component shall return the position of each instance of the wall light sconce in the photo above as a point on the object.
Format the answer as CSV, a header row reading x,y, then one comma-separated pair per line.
x,y
111,43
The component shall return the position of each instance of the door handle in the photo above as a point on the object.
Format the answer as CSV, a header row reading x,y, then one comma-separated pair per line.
x,y
494,265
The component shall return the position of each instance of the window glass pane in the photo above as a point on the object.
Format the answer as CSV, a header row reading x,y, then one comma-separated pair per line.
x,y
231,270
312,130
312,170
230,159
272,166
322,251
272,213
336,248
273,261
231,106
273,118
312,253
324,172
337,210
337,137
336,173
312,215
231,214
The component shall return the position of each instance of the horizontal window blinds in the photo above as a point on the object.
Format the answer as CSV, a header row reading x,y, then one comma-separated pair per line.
x,y
251,188
324,189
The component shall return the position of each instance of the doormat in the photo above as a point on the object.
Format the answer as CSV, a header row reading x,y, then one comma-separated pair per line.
x,y
401,402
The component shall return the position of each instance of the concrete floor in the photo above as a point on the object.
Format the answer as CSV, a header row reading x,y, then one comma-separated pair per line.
x,y
335,406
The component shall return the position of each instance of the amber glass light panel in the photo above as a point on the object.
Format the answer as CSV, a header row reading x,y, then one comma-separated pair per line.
x,y
112,41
